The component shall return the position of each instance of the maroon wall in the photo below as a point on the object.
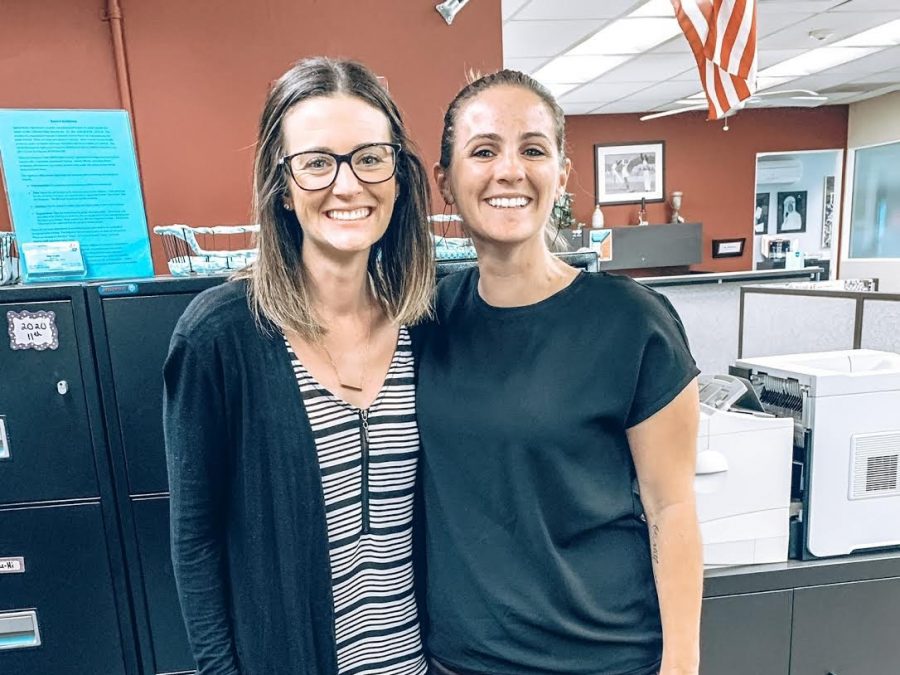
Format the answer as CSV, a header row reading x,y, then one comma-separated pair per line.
x,y
55,54
200,70
715,169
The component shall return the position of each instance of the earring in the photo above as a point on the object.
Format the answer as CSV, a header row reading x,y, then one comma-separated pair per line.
x,y
288,206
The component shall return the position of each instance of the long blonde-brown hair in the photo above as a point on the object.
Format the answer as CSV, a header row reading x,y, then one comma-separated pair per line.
x,y
401,263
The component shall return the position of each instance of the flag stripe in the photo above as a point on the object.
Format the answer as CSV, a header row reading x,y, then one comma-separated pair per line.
x,y
747,67
722,37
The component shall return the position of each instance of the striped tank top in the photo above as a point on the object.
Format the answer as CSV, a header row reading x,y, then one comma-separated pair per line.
x,y
367,460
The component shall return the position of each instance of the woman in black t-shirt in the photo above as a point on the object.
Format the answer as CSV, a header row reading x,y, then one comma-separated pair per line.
x,y
558,415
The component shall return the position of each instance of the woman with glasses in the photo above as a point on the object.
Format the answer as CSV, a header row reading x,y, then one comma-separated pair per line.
x,y
558,414
289,407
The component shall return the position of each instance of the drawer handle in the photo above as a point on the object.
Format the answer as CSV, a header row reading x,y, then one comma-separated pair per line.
x,y
19,630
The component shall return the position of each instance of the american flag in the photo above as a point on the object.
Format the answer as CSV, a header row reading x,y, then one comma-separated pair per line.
x,y
722,35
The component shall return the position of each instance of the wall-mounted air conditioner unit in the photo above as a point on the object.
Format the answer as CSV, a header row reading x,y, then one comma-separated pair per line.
x,y
778,171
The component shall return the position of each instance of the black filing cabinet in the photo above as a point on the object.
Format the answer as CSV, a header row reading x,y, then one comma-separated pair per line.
x,y
132,323
63,597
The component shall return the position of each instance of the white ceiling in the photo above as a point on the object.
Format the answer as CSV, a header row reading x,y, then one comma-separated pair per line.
x,y
536,31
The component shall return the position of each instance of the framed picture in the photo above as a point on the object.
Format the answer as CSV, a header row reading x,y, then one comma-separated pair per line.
x,y
828,212
791,212
626,174
761,221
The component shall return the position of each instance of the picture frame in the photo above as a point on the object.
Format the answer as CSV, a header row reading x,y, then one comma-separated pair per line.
x,y
827,212
761,216
791,212
626,173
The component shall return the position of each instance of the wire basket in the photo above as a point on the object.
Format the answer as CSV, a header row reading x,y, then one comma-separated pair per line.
x,y
186,256
9,259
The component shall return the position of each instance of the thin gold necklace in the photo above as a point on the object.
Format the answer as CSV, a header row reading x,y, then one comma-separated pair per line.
x,y
343,382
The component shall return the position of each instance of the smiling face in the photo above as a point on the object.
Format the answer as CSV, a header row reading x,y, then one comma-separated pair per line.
x,y
349,216
505,171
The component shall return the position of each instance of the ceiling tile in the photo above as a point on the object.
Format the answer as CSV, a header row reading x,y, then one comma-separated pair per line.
x,y
576,9
580,108
510,7
652,67
843,25
623,106
542,38
600,90
866,6
526,65
541,29
677,45
664,91
796,6
768,22
769,57
886,59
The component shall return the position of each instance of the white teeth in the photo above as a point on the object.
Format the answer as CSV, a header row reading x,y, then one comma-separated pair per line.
x,y
508,202
357,214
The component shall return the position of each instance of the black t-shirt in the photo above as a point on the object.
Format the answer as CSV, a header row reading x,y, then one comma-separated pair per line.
x,y
537,558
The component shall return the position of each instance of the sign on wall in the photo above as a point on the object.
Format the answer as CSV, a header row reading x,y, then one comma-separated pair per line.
x,y
72,176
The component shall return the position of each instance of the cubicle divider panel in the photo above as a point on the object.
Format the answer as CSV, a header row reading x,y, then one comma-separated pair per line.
x,y
710,314
881,323
132,325
792,320
784,321
709,308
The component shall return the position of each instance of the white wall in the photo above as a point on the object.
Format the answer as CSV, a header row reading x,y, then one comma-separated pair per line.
x,y
871,122
816,165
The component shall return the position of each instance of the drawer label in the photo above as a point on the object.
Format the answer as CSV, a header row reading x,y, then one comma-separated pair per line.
x,y
32,330
12,565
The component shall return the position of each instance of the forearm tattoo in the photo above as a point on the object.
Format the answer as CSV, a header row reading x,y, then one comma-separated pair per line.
x,y
654,547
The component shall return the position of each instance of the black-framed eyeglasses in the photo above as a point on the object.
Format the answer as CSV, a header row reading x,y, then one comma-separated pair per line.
x,y
318,169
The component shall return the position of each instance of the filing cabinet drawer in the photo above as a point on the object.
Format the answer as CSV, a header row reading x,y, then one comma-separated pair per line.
x,y
139,389
47,449
57,605
171,652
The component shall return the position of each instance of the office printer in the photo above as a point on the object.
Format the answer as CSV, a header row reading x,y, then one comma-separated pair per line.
x,y
845,407
743,478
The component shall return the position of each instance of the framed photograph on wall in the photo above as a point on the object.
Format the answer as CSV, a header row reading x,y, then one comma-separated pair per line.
x,y
627,173
791,212
828,212
761,221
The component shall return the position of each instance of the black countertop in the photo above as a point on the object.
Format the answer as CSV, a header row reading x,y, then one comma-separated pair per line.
x,y
800,573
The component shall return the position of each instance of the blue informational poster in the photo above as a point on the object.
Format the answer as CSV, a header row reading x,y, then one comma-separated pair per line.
x,y
71,175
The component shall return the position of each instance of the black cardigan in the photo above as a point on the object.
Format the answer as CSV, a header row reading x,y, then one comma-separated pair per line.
x,y
249,538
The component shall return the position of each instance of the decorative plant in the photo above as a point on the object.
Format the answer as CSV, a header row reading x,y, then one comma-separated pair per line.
x,y
561,215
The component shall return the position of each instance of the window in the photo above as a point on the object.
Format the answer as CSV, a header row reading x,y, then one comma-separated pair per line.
x,y
875,218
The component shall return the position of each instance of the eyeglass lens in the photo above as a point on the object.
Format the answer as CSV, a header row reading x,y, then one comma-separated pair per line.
x,y
317,170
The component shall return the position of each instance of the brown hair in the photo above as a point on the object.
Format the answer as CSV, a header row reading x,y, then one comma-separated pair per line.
x,y
401,263
508,78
